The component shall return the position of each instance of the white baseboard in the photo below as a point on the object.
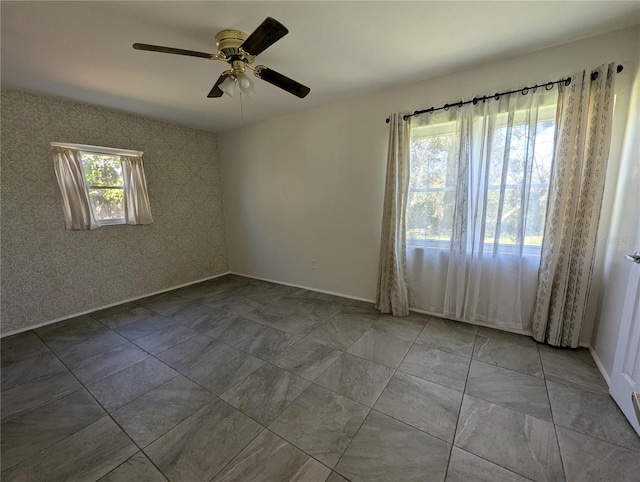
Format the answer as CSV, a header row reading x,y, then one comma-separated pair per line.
x,y
477,323
342,295
334,293
600,366
39,325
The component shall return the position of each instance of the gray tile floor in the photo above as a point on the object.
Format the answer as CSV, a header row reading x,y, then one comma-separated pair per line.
x,y
241,380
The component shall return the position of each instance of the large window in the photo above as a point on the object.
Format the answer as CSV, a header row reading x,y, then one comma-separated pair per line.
x,y
512,177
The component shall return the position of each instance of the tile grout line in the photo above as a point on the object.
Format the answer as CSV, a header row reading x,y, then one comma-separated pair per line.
x,y
266,362
458,422
553,420
66,368
435,383
246,353
507,368
127,460
338,394
355,434
593,393
108,414
215,396
86,387
464,391
263,428
266,427
33,379
504,406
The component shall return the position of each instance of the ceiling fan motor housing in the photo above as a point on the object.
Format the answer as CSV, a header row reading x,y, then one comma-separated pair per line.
x,y
230,41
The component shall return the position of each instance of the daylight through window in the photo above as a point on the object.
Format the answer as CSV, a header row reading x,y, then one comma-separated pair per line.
x,y
513,179
101,186
105,184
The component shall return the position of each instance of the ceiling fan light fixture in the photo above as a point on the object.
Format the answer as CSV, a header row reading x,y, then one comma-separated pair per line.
x,y
229,86
245,84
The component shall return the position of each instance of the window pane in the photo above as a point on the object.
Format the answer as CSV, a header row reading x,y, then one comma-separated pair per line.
x,y
534,229
107,203
507,168
431,189
509,221
429,215
102,170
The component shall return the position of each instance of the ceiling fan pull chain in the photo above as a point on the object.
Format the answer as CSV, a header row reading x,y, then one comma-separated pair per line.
x,y
241,105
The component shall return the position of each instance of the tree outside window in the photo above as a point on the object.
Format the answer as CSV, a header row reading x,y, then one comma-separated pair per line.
x,y
103,174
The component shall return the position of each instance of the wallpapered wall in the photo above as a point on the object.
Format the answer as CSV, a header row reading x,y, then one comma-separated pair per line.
x,y
48,272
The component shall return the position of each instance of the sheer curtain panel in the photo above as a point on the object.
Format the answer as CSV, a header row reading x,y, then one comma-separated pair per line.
x,y
76,206
585,112
136,207
391,292
477,195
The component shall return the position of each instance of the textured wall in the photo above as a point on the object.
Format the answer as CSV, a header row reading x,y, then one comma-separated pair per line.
x,y
48,272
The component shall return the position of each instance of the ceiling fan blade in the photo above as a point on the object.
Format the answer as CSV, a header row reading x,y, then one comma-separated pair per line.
x,y
216,92
171,50
279,80
267,33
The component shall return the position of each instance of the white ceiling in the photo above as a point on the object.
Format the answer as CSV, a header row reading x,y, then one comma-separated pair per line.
x,y
82,50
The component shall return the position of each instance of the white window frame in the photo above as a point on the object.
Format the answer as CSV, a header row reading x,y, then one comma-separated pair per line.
x,y
110,221
100,150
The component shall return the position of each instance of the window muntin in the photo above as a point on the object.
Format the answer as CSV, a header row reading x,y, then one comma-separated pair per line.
x,y
105,185
433,177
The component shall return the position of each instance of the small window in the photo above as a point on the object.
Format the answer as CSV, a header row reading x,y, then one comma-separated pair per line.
x,y
101,186
105,185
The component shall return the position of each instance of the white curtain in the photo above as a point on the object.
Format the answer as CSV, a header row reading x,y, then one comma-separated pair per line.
x,y
137,209
585,112
391,292
476,259
76,206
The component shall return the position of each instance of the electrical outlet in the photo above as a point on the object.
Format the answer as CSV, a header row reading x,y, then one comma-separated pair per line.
x,y
313,264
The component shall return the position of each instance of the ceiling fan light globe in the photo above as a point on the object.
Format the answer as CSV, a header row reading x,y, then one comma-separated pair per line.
x,y
229,86
246,85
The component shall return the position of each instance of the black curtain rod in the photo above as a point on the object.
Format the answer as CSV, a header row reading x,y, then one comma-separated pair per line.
x,y
475,100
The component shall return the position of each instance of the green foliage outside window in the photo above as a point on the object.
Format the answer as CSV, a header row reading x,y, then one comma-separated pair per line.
x,y
433,179
103,174
431,189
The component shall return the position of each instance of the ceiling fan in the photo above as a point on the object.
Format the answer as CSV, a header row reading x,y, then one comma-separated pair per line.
x,y
239,50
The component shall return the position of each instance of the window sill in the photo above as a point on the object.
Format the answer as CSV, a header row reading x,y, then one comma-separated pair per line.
x,y
528,250
110,222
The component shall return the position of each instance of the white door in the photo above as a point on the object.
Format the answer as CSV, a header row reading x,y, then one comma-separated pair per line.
x,y
625,379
